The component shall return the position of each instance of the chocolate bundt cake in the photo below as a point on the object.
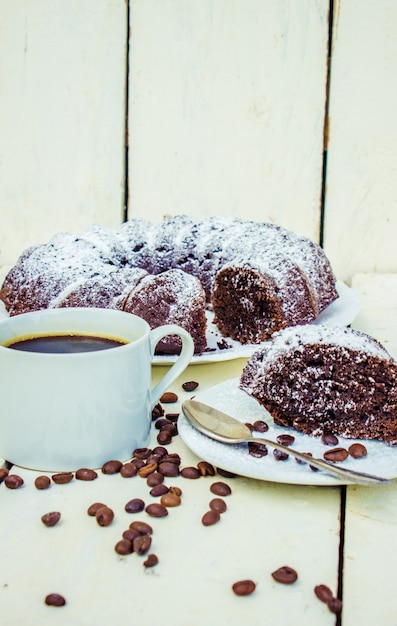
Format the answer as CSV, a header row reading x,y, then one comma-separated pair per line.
x,y
323,380
257,277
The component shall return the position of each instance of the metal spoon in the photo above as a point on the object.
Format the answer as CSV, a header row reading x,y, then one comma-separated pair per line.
x,y
227,429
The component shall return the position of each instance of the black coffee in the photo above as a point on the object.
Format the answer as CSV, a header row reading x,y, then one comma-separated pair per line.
x,y
65,344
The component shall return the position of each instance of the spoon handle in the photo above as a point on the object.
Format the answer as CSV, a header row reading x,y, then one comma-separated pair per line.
x,y
330,468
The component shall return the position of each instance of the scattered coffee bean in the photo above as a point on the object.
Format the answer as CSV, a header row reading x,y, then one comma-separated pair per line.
x,y
206,469
159,490
329,439
42,482
176,490
218,505
170,500
104,516
136,505
357,450
138,463
190,385
50,519
280,455
285,575
142,453
112,467
169,397
4,471
147,469
142,544
336,455
191,472
124,546
156,510
260,426
87,474
169,427
172,417
285,439
55,599
210,518
163,423
173,457
160,451
128,470
167,468
244,587
250,426
335,605
257,450
13,481
323,593
164,437
226,473
151,561
220,489
131,534
142,527
154,479
62,478
94,508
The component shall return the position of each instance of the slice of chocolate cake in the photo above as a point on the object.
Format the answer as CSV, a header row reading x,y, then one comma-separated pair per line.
x,y
323,380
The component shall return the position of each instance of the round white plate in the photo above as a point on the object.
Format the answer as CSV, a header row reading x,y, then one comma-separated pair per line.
x,y
340,313
380,460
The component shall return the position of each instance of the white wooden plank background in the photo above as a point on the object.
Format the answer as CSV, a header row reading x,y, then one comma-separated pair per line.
x,y
62,105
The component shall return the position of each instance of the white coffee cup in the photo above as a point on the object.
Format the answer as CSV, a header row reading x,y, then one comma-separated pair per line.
x,y
61,412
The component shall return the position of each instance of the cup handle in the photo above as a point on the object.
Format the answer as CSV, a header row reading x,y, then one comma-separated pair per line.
x,y
180,364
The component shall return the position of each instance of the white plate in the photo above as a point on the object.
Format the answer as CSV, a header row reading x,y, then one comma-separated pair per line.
x,y
380,460
340,313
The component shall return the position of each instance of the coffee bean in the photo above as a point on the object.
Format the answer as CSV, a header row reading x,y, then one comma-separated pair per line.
x,y
220,489
138,463
4,471
218,505
162,423
169,397
323,593
260,426
50,519
169,427
157,412
55,599
124,546
176,490
170,500
250,426
142,453
173,457
87,474
111,467
206,469
131,534
158,490
191,472
336,455
280,455
156,510
62,478
164,437
168,468
94,508
142,544
142,527
210,518
257,450
190,385
42,482
151,561
172,417
285,575
329,439
160,450
136,505
335,605
155,479
244,587
357,450
104,516
285,439
147,469
13,481
128,470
